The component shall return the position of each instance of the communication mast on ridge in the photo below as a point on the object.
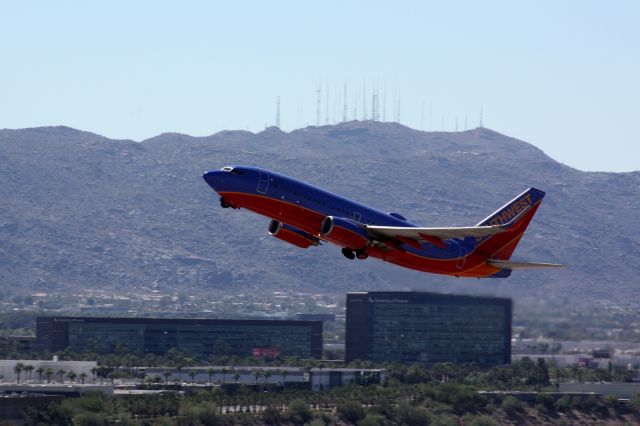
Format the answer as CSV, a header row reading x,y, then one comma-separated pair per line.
x,y
326,107
364,100
481,113
344,110
278,113
318,91
384,102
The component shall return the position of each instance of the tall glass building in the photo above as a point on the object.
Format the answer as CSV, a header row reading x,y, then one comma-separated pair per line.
x,y
202,337
428,328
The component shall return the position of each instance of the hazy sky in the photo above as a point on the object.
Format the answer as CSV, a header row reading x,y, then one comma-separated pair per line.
x,y
563,75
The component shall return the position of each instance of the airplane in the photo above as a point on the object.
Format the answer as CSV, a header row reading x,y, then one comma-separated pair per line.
x,y
305,215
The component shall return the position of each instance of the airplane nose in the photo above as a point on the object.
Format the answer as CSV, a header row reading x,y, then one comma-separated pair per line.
x,y
213,178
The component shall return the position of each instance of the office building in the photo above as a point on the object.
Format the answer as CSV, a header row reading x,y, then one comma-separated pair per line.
x,y
201,337
428,328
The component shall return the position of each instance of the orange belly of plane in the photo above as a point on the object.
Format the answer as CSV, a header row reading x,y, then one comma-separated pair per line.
x,y
308,220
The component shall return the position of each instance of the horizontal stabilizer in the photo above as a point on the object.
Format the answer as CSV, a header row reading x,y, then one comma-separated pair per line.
x,y
507,264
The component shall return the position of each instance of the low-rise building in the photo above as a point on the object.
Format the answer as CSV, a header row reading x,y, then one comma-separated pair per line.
x,y
328,378
201,337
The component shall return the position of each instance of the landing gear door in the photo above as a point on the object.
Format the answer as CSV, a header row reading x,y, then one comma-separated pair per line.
x,y
263,183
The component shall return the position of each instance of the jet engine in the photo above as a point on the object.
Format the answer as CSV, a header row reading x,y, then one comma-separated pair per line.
x,y
345,232
292,235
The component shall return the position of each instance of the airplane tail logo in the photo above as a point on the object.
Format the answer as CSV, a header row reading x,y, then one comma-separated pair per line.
x,y
517,213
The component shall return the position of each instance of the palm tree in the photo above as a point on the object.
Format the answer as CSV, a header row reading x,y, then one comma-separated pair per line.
x,y
166,375
40,372
60,373
71,375
192,374
18,369
48,372
257,374
28,368
94,370
210,373
267,374
224,373
178,370
284,374
236,377
83,376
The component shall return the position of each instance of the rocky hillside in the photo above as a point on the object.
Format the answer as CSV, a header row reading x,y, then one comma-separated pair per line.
x,y
79,211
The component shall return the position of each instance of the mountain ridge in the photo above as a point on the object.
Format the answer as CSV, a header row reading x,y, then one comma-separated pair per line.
x,y
126,215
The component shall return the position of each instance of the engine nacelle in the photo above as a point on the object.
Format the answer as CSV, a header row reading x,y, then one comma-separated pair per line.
x,y
345,232
292,235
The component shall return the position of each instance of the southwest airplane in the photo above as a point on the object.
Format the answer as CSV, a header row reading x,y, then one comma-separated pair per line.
x,y
304,215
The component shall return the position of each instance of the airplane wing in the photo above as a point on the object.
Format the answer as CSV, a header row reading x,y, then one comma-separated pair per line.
x,y
507,264
415,236
441,233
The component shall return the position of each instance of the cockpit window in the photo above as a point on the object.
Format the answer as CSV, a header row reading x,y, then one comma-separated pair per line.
x,y
232,170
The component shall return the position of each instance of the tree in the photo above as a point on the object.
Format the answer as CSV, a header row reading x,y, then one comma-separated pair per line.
x,y
351,411
83,377
511,405
374,420
48,372
210,373
257,373
299,412
18,370
236,377
192,374
271,416
542,373
28,368
40,373
71,375
634,403
224,374
413,416
166,375
178,370
60,373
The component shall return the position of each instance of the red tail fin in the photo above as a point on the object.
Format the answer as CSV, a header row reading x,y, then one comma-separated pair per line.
x,y
523,207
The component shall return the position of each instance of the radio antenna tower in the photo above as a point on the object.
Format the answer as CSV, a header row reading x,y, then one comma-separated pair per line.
x,y
344,110
431,116
355,106
384,102
318,91
278,113
373,104
398,117
326,107
364,100
481,114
